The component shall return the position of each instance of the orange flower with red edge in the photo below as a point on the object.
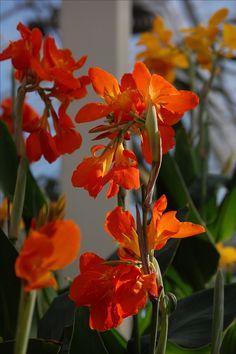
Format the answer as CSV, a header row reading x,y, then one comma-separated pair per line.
x,y
121,226
111,292
50,248
115,165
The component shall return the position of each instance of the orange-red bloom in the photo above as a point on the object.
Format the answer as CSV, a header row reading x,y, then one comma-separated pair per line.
x,y
125,105
24,53
49,248
115,165
163,226
112,292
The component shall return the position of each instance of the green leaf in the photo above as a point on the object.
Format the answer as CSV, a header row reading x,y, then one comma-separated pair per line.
x,y
185,155
196,261
9,288
44,299
36,346
191,323
174,349
85,340
34,198
225,224
174,283
229,342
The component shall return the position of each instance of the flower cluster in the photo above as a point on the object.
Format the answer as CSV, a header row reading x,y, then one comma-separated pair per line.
x,y
125,108
57,67
160,54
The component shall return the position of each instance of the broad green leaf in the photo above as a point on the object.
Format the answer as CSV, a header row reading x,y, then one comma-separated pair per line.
x,y
225,225
36,346
9,288
44,299
144,319
34,198
191,323
174,349
196,261
59,316
175,284
185,155
85,340
229,342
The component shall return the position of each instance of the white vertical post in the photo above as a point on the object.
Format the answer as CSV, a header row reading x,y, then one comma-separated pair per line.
x,y
100,29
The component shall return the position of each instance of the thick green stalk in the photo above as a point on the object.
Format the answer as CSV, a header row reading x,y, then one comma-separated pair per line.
x,y
154,326
24,322
218,313
19,193
162,342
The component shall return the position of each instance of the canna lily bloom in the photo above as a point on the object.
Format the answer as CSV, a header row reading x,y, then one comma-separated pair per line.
x,y
24,53
119,99
30,116
50,248
111,292
121,226
126,105
40,142
212,40
160,54
169,102
58,65
115,165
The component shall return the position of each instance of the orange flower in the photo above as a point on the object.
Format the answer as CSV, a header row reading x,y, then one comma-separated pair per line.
x,y
121,226
40,142
49,248
30,116
113,166
112,292
126,105
119,99
24,53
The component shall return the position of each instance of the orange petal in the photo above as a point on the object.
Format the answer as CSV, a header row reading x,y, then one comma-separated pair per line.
x,y
180,103
119,223
142,78
189,229
92,111
103,82
65,237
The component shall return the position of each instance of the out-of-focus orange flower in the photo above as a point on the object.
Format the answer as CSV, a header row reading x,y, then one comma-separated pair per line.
x,y
24,53
111,292
115,165
121,226
212,40
49,248
30,116
160,55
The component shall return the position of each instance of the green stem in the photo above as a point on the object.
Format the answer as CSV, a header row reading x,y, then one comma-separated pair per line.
x,y
18,200
162,342
154,326
25,316
203,136
19,193
218,314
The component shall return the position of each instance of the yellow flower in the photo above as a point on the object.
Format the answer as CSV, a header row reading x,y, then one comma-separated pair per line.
x,y
5,209
208,41
161,55
227,255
